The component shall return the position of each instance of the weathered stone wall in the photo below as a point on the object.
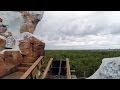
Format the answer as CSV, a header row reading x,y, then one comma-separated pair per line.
x,y
9,60
30,48
2,43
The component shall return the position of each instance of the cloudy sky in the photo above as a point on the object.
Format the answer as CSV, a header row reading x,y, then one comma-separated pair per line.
x,y
73,29
80,29
13,20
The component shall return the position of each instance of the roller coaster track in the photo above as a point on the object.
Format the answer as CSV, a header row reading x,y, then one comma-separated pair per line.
x,y
27,70
59,69
55,69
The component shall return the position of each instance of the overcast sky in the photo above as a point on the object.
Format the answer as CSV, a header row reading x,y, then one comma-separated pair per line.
x,y
73,29
80,29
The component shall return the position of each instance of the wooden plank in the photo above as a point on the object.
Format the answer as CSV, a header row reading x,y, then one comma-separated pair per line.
x,y
68,73
34,72
28,72
47,69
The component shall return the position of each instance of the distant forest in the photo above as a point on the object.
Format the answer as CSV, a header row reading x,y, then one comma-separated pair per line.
x,y
84,62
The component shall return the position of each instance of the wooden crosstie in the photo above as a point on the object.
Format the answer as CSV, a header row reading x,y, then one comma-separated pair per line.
x,y
59,69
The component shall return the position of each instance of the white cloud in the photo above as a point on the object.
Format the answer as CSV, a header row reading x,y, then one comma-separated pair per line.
x,y
14,21
80,29
73,29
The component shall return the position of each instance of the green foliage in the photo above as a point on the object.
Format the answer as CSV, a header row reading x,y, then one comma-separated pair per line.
x,y
84,62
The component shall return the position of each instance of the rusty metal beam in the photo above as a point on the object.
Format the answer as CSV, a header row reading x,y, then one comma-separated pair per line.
x,y
29,71
68,73
47,69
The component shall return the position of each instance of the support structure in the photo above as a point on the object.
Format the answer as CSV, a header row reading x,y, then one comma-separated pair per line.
x,y
57,69
47,69
32,71
68,69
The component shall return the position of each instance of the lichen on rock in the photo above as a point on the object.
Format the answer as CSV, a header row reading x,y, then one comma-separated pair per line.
x,y
109,69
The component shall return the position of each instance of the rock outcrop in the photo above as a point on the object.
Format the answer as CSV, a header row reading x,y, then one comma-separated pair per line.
x,y
2,38
2,43
109,69
3,29
31,48
13,58
30,21
9,60
3,66
6,38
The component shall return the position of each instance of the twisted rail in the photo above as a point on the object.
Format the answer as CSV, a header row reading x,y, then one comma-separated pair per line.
x,y
49,66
